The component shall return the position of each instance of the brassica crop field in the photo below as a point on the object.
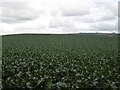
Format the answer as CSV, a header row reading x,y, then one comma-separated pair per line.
x,y
0,62
60,61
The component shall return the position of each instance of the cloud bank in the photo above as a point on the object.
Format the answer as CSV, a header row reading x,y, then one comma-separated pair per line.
x,y
58,16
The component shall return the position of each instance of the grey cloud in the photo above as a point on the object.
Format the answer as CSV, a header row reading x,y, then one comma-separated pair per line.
x,y
104,27
119,24
107,17
55,12
88,20
85,19
39,27
14,19
75,11
114,9
57,23
119,9
15,12
92,19
70,30
111,7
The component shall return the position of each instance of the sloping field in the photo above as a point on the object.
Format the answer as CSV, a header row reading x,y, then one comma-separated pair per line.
x,y
0,62
60,61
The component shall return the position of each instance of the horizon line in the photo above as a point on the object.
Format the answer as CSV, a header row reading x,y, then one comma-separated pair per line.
x,y
61,33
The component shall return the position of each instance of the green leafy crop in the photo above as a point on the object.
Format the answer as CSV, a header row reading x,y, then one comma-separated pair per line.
x,y
60,61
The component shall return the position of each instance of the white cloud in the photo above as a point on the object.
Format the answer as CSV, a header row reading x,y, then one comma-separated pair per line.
x,y
57,16
75,11
60,22
15,12
104,27
107,17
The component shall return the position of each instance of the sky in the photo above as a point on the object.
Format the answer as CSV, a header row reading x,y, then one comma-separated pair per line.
x,y
58,16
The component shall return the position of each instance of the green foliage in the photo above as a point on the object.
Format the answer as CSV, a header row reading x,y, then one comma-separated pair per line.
x,y
0,62
60,61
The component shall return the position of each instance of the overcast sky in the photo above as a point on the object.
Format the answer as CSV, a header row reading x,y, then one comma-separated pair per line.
x,y
58,16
